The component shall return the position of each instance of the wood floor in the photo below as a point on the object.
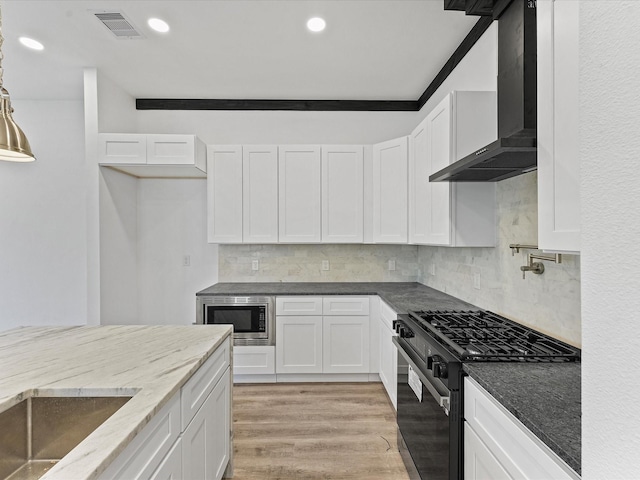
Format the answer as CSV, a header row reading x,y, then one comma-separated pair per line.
x,y
315,431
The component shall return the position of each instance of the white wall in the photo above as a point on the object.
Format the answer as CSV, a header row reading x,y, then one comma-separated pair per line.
x,y
280,127
43,231
610,194
478,70
116,112
118,248
172,224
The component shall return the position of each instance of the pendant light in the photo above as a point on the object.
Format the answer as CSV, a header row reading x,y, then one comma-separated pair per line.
x,y
14,146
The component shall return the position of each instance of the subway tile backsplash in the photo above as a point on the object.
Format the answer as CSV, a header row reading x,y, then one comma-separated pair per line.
x,y
549,302
303,263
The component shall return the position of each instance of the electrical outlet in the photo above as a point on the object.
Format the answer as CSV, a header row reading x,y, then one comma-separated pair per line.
x,y
392,265
186,261
476,281
255,265
325,265
433,269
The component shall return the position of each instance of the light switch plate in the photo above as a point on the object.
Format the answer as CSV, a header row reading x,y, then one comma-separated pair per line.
x,y
255,265
392,265
325,265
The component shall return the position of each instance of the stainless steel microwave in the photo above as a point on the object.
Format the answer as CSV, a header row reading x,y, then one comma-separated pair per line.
x,y
253,318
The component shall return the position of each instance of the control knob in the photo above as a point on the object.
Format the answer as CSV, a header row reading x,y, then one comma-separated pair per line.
x,y
439,367
406,332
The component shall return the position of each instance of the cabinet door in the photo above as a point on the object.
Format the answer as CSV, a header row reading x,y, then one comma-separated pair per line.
x,y
171,466
122,149
438,156
345,344
220,415
390,191
419,187
205,442
254,360
479,463
299,344
342,194
259,194
299,194
388,363
558,138
224,194
171,149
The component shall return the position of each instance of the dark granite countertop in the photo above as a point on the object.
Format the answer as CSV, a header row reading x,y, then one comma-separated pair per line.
x,y
544,397
401,296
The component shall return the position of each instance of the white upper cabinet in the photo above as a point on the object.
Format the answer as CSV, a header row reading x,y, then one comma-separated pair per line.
x,y
299,192
224,193
342,193
419,200
390,191
260,194
155,156
446,213
558,138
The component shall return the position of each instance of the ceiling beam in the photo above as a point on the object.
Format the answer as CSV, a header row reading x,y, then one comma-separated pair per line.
x,y
304,105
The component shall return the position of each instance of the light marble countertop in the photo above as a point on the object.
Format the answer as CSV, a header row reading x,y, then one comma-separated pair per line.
x,y
154,361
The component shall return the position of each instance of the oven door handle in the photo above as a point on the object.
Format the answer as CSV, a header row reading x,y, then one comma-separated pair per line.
x,y
443,400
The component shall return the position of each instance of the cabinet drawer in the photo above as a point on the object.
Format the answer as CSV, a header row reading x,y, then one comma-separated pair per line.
x,y
387,314
254,360
515,447
146,451
299,305
122,148
200,385
339,305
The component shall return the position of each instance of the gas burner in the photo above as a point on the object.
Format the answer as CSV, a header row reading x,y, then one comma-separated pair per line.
x,y
485,336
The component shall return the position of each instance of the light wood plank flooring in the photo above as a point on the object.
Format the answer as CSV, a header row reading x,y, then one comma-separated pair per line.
x,y
315,431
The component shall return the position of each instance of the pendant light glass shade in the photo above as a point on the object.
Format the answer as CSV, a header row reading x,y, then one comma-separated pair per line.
x,y
14,146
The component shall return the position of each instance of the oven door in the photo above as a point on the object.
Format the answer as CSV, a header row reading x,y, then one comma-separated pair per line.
x,y
427,423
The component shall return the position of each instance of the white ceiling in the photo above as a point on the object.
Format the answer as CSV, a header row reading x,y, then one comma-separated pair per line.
x,y
257,49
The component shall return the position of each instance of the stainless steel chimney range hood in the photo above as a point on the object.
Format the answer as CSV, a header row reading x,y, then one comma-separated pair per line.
x,y
514,152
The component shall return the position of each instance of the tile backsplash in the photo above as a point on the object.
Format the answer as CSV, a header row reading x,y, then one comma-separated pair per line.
x,y
303,263
549,302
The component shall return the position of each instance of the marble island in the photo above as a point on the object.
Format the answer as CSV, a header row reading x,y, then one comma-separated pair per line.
x,y
149,363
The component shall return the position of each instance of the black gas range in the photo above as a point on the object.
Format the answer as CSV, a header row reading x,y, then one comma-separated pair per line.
x,y
432,348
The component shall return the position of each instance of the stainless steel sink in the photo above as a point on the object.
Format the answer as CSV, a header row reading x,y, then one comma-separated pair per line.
x,y
37,432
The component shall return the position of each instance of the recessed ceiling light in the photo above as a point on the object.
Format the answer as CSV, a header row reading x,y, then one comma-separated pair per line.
x,y
316,24
31,43
158,25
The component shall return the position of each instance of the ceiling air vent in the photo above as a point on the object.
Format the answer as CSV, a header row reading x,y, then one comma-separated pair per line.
x,y
118,25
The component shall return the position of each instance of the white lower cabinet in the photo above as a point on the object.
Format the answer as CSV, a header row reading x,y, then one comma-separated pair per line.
x,y
479,462
497,445
322,341
253,360
190,438
299,344
388,363
205,441
345,344
171,466
388,353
